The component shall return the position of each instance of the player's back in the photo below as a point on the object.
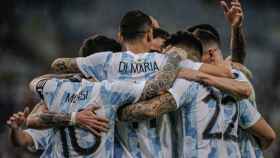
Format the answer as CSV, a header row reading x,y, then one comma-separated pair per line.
x,y
67,96
205,127
122,65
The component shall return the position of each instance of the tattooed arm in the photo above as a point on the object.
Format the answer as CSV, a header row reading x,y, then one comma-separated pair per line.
x,y
164,78
235,16
148,109
159,105
65,65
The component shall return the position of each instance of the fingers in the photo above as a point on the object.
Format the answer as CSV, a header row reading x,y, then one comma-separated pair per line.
x,y
224,6
97,125
101,119
95,132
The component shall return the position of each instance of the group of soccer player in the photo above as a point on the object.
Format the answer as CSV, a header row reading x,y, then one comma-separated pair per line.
x,y
148,94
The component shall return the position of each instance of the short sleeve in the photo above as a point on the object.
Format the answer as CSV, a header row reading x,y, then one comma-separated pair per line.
x,y
94,65
39,139
181,91
248,114
239,76
190,64
45,89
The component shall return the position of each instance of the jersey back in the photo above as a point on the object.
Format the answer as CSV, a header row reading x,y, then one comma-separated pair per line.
x,y
67,96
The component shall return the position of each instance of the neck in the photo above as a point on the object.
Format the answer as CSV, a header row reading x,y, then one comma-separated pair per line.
x,y
137,47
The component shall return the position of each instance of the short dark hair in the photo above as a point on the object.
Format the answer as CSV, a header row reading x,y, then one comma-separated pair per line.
x,y
207,27
99,43
134,25
160,33
185,39
206,37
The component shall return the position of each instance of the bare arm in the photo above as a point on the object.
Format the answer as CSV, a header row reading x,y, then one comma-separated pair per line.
x,y
237,45
43,119
217,70
17,135
239,89
263,132
148,109
65,65
235,16
164,78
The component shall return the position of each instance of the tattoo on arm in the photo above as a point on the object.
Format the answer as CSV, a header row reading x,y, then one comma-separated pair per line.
x,y
148,109
238,45
65,65
48,120
164,78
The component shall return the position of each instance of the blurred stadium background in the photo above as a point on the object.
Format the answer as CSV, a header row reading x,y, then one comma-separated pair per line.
x,y
33,33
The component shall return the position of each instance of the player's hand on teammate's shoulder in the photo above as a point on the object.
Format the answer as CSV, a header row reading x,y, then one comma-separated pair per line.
x,y
88,119
233,12
18,120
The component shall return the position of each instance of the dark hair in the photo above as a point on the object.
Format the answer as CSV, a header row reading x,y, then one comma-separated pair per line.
x,y
160,33
185,39
134,25
207,27
99,43
206,37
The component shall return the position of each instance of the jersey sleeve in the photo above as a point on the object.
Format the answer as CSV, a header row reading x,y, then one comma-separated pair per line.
x,y
248,114
39,138
45,89
190,64
183,91
94,65
239,76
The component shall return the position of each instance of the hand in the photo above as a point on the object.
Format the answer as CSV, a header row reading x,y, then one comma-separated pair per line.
x,y
89,120
234,14
18,119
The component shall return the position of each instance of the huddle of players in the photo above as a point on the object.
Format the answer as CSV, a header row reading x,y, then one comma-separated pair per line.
x,y
182,99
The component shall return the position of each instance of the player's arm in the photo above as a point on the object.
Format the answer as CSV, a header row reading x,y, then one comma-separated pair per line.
x,y
250,119
235,17
42,118
65,65
240,89
164,79
263,132
222,70
148,109
17,135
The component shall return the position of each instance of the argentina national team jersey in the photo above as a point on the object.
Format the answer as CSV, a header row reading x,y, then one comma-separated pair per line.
x,y
66,96
138,139
207,121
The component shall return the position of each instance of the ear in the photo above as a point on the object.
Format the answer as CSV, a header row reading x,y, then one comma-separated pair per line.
x,y
150,36
119,37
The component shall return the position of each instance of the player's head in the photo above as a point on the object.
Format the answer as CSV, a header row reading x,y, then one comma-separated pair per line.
x,y
192,48
211,46
206,27
136,28
98,43
160,36
155,23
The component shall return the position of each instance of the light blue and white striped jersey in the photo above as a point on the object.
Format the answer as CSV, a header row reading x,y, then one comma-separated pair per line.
x,y
249,145
40,139
62,95
138,139
203,121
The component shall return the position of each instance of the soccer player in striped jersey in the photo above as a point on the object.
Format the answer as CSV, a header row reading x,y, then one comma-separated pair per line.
x,y
207,129
137,63
65,97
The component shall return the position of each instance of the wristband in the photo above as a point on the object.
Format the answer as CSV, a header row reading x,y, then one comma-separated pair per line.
x,y
73,119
